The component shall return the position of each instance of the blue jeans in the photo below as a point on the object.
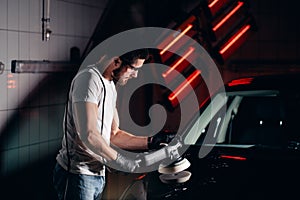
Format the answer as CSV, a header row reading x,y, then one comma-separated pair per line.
x,y
79,186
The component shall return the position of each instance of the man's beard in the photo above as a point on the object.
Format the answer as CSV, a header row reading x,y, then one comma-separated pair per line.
x,y
117,79
120,81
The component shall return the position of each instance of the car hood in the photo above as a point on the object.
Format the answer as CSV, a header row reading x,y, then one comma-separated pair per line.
x,y
233,173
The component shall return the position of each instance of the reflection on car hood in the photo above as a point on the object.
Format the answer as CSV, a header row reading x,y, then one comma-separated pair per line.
x,y
253,172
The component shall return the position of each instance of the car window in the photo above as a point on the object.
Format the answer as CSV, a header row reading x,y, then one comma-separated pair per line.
x,y
270,121
201,126
260,121
263,118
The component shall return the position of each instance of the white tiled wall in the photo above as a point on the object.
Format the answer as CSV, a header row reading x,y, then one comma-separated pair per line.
x,y
31,129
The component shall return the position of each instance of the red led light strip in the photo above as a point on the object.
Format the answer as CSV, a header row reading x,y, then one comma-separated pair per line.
x,y
140,177
233,157
233,39
191,80
234,10
242,81
216,5
204,102
213,3
165,74
176,39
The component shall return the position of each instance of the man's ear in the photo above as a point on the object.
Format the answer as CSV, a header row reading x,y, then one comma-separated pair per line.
x,y
117,62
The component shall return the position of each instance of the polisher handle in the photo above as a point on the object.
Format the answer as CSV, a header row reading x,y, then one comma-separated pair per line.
x,y
170,152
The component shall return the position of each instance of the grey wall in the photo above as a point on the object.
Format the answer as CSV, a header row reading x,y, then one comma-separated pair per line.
x,y
31,105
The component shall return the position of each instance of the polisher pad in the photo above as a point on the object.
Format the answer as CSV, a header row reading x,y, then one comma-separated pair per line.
x,y
180,177
174,168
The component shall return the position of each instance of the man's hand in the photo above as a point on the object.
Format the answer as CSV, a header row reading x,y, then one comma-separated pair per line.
x,y
173,150
167,153
127,164
160,140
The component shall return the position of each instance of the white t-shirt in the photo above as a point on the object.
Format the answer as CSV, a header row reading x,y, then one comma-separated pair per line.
x,y
87,87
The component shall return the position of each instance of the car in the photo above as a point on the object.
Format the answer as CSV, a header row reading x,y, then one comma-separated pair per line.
x,y
244,144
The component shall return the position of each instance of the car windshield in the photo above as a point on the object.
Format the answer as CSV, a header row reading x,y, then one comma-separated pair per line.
x,y
267,118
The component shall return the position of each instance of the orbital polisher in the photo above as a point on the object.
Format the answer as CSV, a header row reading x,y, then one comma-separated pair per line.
x,y
174,172
170,173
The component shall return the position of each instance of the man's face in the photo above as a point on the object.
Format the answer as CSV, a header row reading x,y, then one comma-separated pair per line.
x,y
128,71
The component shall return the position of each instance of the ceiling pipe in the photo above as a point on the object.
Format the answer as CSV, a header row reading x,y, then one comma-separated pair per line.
x,y
46,31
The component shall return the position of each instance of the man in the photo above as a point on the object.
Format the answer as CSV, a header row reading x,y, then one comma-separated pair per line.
x,y
91,124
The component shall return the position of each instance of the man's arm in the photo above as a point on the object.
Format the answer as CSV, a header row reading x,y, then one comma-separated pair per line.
x,y
85,115
124,139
